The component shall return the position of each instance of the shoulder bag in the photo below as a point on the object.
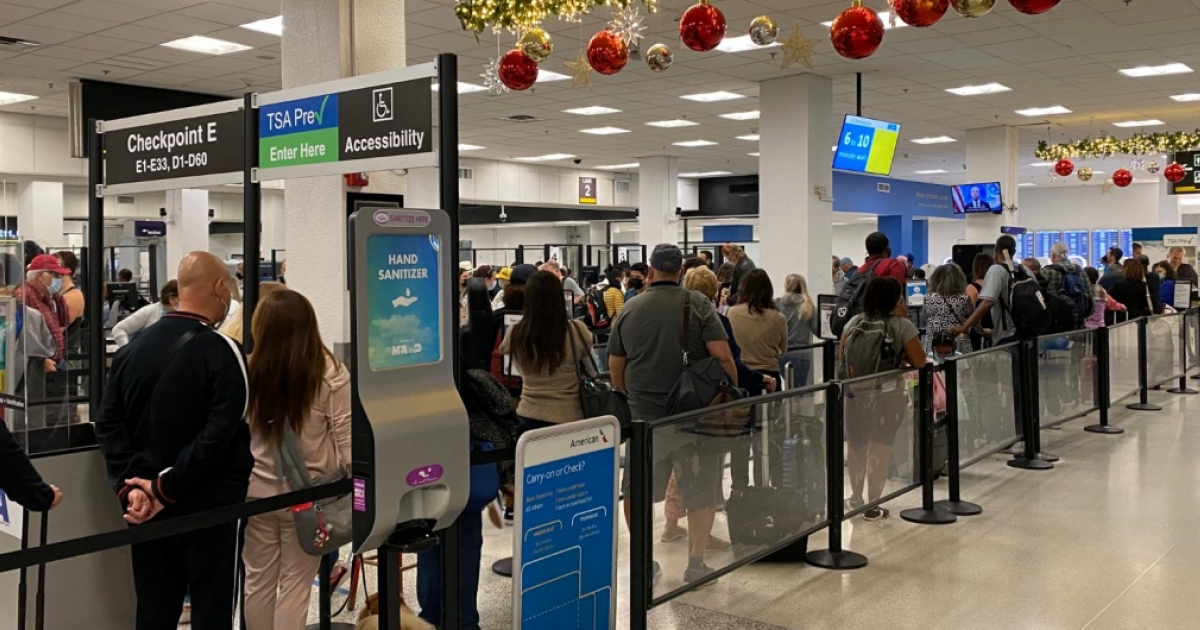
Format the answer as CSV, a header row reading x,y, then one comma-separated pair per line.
x,y
596,398
322,526
704,384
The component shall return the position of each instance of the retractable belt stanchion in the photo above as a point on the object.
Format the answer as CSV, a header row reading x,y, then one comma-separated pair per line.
x,y
954,504
1143,403
1027,402
1103,385
1183,388
639,466
928,513
835,557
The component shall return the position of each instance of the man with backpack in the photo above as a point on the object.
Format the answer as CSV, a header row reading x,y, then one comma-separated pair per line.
x,y
879,264
1023,309
1066,281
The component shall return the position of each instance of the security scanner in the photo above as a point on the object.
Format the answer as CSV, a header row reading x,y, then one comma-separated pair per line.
x,y
411,438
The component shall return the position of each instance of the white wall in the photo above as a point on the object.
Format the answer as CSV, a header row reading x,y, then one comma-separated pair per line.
x,y
37,145
1078,207
532,183
943,236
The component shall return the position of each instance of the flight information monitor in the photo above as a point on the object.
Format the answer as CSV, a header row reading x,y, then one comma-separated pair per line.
x,y
866,146
1044,241
1077,241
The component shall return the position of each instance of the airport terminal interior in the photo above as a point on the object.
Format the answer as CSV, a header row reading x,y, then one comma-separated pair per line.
x,y
567,314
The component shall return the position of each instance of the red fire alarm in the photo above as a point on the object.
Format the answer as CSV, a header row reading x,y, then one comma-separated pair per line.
x,y
357,180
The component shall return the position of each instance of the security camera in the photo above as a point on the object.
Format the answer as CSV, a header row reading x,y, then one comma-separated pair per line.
x,y
577,161
162,212
503,215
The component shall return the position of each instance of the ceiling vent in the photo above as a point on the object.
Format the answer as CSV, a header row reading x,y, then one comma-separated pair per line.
x,y
16,44
466,173
620,186
522,118
126,199
883,187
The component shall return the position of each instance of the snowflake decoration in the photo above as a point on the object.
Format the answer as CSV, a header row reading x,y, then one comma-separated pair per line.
x,y
491,78
627,23
1137,163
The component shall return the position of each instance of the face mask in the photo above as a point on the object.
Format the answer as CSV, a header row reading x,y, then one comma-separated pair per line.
x,y
636,283
55,285
228,305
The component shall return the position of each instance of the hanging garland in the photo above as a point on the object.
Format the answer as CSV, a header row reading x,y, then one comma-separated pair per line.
x,y
476,15
1107,146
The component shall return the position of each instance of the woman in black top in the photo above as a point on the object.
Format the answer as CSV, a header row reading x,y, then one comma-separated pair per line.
x,y
981,335
1132,291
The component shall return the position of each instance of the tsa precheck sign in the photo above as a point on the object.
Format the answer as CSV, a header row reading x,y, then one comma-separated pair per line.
x,y
304,131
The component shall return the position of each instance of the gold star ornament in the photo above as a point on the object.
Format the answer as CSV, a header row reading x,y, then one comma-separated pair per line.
x,y
1106,187
581,72
798,49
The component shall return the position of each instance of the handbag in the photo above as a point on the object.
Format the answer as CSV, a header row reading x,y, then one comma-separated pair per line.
x,y
704,384
597,398
322,526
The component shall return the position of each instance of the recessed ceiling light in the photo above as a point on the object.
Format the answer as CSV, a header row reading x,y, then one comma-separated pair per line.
x,y
270,26
206,45
1186,98
889,21
694,143
8,98
742,115
464,88
755,154
1156,71
1044,111
752,137
679,122
1042,164
604,131
616,167
547,75
1151,122
594,110
1026,184
934,140
934,171
549,157
712,97
976,90
470,147
706,174
741,44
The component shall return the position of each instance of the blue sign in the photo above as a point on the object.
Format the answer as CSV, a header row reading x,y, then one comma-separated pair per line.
x,y
915,292
403,300
566,527
1077,242
1044,241
1127,241
1102,241
866,145
149,229
298,116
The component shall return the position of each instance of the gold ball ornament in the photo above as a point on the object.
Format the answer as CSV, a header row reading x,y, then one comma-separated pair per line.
x,y
537,44
1084,174
1152,167
659,58
763,30
973,8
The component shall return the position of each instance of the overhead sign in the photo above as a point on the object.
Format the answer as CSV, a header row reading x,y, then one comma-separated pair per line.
x,y
193,146
566,525
373,122
1190,184
149,229
587,190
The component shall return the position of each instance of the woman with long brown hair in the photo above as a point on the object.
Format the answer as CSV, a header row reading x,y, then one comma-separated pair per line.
x,y
296,386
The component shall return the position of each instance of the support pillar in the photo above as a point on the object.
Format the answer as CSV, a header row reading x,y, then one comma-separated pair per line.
x,y
992,155
187,226
920,242
795,224
658,196
40,213
274,225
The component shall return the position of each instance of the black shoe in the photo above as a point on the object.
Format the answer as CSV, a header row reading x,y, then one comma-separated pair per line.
x,y
696,572
876,514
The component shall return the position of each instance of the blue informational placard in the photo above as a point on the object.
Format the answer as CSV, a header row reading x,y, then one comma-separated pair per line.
x,y
566,526
1043,241
866,145
404,300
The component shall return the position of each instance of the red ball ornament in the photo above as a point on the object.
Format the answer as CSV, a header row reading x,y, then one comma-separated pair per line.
x,y
1064,167
1122,177
607,52
702,27
1174,173
517,70
920,12
1033,7
857,32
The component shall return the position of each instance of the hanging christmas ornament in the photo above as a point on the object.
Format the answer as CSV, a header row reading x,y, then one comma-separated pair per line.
x,y
798,49
1174,173
491,78
627,23
1105,187
537,44
973,8
920,12
659,58
1084,174
1033,7
702,27
581,72
607,52
857,32
1064,167
1152,167
763,31
1122,178
517,70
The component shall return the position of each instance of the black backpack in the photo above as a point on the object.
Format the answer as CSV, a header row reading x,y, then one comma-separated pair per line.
x,y
1076,290
595,313
1062,313
1027,305
850,300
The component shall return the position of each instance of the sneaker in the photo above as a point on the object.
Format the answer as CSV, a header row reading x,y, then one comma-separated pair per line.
x,y
508,516
185,618
853,504
876,514
717,544
696,572
673,532
656,574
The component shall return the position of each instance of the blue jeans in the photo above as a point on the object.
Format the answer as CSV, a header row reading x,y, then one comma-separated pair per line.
x,y
429,569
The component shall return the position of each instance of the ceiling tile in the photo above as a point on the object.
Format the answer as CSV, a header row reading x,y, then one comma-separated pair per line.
x,y
105,10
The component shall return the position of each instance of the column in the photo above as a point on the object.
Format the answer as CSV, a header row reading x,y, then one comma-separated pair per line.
x,y
899,230
795,225
187,226
658,195
920,242
40,213
274,226
423,190
992,155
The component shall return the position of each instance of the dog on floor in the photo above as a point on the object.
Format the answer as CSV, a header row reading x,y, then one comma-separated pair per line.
x,y
368,619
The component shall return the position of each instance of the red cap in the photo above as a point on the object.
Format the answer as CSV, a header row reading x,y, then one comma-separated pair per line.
x,y
46,262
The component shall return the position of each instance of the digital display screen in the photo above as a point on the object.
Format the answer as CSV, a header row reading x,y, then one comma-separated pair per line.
x,y
1077,242
866,146
1043,241
1024,245
982,197
1127,241
1102,241
403,300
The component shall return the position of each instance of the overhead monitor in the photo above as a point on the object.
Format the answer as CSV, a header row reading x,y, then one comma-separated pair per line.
x,y
1046,240
866,145
979,197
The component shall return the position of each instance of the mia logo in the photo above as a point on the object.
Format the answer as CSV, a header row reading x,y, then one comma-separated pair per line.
x,y
382,217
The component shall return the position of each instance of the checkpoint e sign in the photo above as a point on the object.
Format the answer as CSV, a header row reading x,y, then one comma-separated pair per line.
x,y
188,147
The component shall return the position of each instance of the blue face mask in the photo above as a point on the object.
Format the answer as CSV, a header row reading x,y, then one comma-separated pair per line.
x,y
55,286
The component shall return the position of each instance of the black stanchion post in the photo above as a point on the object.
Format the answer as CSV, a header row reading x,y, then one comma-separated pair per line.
x,y
1035,404
251,220
1103,385
829,360
928,513
325,603
1183,360
23,576
95,266
1027,401
1143,403
835,480
389,590
154,273
954,504
641,562
39,611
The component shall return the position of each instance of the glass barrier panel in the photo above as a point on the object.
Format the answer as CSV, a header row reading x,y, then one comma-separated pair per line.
x,y
1066,376
806,367
987,404
881,444
1122,361
1192,325
764,461
1162,349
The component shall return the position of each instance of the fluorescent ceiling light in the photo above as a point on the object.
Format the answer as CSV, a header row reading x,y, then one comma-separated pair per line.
x,y
470,147
1042,164
752,137
206,45
1026,184
934,171
742,115
1156,71
549,157
888,21
694,143
464,88
712,97
270,26
1139,123
604,131
706,174
741,44
934,140
672,123
547,75
1044,111
1186,98
616,167
8,98
755,154
976,90
594,110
